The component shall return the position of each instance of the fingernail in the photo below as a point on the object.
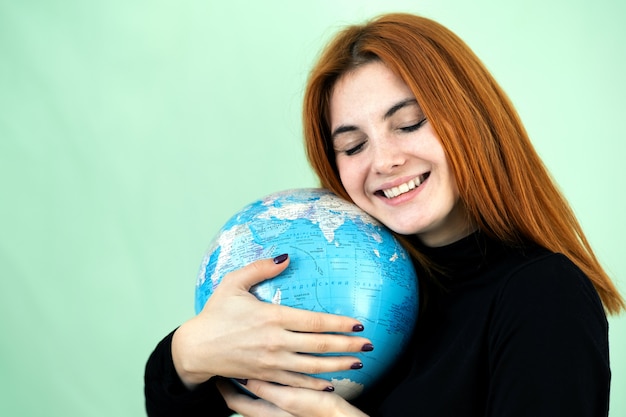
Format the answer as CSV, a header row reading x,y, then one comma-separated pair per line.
x,y
357,328
368,347
281,258
329,389
356,365
242,381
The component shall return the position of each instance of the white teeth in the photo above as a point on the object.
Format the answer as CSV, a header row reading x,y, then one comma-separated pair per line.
x,y
402,188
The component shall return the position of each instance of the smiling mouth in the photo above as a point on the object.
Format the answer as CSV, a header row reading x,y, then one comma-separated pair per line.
x,y
404,188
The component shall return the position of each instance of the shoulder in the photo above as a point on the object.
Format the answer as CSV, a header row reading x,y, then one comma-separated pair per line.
x,y
547,296
552,278
545,318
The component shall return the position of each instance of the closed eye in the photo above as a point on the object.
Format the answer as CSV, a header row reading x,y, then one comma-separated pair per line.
x,y
355,149
413,128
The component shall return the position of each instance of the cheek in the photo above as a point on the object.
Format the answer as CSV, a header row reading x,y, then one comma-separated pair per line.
x,y
349,176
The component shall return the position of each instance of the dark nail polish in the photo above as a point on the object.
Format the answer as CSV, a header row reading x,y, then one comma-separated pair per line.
x,y
329,389
356,365
357,328
368,347
242,381
281,258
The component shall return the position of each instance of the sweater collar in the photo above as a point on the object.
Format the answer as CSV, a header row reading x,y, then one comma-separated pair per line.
x,y
464,259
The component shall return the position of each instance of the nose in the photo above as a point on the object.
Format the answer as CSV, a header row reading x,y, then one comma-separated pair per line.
x,y
387,157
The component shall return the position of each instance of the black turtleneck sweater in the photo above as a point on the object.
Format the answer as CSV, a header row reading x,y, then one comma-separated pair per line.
x,y
502,332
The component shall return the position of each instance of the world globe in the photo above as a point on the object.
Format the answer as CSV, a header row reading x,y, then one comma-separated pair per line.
x,y
342,261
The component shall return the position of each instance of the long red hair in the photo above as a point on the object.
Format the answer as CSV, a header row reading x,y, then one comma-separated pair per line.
x,y
503,183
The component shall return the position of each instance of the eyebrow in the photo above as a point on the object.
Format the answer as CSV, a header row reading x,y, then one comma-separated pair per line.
x,y
398,106
392,110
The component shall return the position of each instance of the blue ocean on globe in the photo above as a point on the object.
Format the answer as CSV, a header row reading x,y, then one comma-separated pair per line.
x,y
342,261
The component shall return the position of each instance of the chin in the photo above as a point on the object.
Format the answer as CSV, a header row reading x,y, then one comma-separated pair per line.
x,y
403,229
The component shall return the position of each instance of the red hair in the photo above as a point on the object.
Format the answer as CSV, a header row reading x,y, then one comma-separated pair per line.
x,y
503,183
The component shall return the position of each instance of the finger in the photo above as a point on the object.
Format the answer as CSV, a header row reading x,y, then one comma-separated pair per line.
x,y
301,402
311,364
328,343
299,320
301,380
257,271
268,391
306,370
246,405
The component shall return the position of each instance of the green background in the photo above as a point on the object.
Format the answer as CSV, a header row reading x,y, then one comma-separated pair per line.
x,y
130,130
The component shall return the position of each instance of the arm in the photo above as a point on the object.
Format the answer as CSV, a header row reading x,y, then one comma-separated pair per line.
x,y
238,336
166,395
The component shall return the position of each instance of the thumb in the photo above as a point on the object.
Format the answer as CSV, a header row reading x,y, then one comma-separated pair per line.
x,y
258,271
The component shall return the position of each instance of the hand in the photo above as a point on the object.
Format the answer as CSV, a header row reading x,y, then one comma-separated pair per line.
x,y
238,336
282,401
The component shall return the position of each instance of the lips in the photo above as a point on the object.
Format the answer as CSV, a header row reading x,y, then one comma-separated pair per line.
x,y
406,187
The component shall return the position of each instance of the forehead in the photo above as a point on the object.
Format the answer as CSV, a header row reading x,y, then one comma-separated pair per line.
x,y
368,91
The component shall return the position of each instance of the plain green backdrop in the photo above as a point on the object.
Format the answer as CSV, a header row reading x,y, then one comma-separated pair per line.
x,y
130,130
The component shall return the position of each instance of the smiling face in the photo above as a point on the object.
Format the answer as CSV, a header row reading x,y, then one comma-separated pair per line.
x,y
390,160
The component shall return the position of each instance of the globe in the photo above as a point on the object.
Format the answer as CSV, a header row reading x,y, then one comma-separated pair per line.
x,y
342,261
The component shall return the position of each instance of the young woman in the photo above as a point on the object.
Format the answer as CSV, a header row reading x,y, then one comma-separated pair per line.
x,y
403,119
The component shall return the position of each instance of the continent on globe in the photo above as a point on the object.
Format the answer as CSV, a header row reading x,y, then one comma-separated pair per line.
x,y
342,261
